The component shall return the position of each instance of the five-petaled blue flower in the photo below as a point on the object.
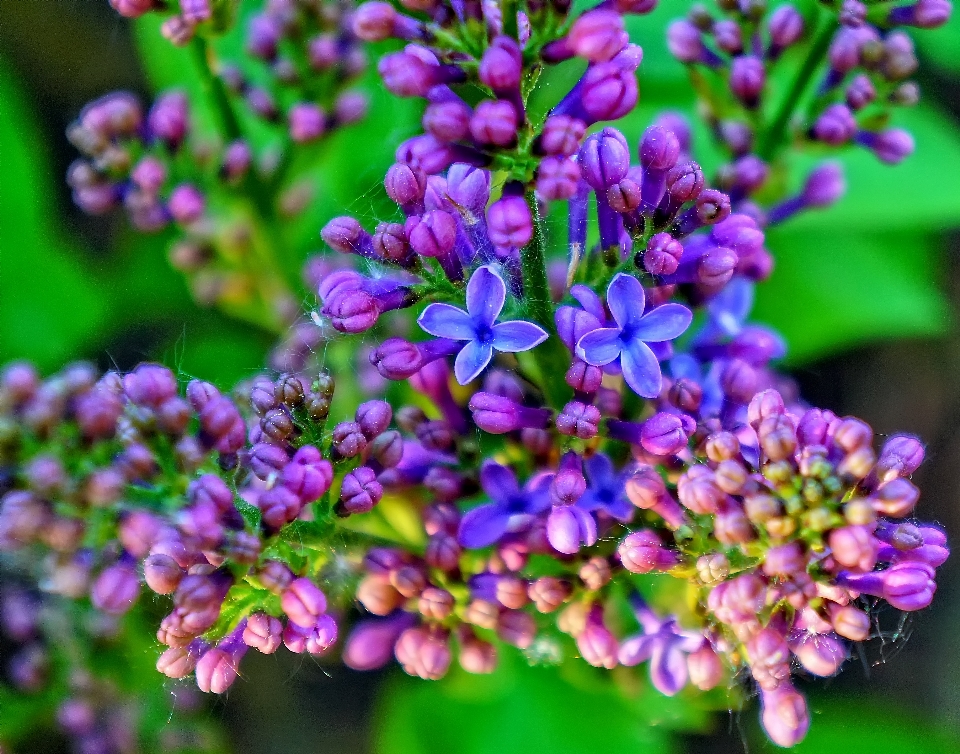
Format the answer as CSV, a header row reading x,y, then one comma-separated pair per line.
x,y
511,508
665,644
628,340
486,293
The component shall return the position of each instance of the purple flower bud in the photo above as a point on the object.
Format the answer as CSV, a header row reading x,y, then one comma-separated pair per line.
x,y
374,21
406,74
925,14
132,8
307,122
769,657
835,126
168,119
497,414
663,434
604,159
221,420
728,36
303,602
820,654
891,146
279,506
509,222
501,65
404,184
684,184
352,311
578,419
662,256
263,36
348,439
860,92
850,622
186,204
598,35
747,79
150,385
786,28
345,235
705,668
557,178
434,234
517,628
901,456
359,492
371,643
308,475
179,662
785,716
561,135
116,589
609,90
423,653
162,573
597,645
907,586
217,669
584,377
494,122
685,43
643,552
854,547
263,632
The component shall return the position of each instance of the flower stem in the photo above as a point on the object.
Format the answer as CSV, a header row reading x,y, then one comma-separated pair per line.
x,y
550,357
772,138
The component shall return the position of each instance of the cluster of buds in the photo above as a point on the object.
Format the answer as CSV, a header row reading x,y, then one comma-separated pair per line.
x,y
184,18
859,60
114,481
310,55
48,645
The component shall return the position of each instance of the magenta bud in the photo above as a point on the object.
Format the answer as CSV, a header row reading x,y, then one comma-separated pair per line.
x,y
820,654
561,135
373,417
598,646
501,65
162,573
307,122
578,419
405,184
359,492
785,716
604,159
705,668
263,632
303,602
835,126
557,178
747,79
115,589
509,221
662,256
598,35
663,434
854,547
643,552
217,670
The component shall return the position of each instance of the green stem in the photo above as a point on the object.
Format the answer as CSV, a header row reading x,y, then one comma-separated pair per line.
x,y
550,356
773,137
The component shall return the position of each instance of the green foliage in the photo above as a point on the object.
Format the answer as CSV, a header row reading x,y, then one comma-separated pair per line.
x,y
571,709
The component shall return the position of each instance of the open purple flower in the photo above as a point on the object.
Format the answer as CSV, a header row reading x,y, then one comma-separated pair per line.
x,y
605,489
628,340
665,644
511,509
478,326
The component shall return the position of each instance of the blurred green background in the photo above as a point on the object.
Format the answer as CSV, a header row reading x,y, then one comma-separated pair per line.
x,y
866,293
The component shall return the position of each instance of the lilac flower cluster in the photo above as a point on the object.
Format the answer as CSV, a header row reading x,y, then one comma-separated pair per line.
x,y
310,56
565,439
150,164
856,72
184,18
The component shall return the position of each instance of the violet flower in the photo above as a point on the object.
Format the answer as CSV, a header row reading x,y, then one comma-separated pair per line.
x,y
605,489
665,644
511,509
628,340
478,326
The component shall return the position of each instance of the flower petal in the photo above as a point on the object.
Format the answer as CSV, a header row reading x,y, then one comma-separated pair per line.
x,y
499,482
636,650
663,323
518,335
446,321
567,527
482,526
472,359
625,299
641,370
589,300
729,308
668,667
600,346
599,470
486,293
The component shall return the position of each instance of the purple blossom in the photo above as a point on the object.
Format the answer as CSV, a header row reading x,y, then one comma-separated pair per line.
x,y
665,644
605,489
634,329
511,507
478,326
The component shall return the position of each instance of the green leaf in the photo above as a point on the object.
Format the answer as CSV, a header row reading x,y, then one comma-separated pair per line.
x,y
832,290
864,726
942,45
921,192
518,709
49,305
